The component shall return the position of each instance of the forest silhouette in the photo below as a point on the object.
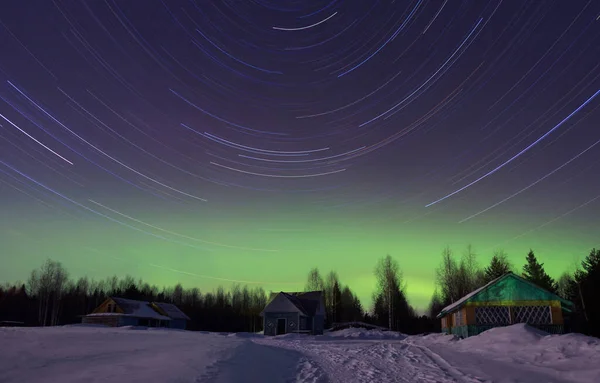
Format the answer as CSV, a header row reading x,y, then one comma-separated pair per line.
x,y
50,297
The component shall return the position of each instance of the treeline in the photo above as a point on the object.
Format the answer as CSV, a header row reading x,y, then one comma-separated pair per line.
x,y
457,276
390,305
50,297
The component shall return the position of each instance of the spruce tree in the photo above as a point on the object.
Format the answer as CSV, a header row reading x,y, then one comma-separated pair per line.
x,y
499,266
591,263
588,283
534,272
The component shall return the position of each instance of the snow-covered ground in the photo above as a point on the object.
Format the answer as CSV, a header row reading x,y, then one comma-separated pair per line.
x,y
93,354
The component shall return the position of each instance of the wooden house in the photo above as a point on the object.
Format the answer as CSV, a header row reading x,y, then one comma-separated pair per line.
x,y
506,300
294,313
116,312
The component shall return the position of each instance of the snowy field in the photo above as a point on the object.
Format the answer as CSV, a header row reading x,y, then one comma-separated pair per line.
x,y
93,354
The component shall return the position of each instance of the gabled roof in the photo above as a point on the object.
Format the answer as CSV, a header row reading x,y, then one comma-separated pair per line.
x,y
304,305
171,310
142,309
540,294
307,303
138,309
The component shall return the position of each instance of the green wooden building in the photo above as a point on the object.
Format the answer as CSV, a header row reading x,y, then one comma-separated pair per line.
x,y
504,301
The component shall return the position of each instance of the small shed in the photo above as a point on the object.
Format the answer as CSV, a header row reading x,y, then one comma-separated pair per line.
x,y
506,300
116,312
299,312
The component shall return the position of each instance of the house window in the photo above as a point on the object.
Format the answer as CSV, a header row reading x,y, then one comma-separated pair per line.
x,y
458,318
111,307
492,315
532,314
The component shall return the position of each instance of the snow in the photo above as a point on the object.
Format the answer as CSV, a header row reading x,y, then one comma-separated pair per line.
x,y
359,333
172,311
139,309
92,354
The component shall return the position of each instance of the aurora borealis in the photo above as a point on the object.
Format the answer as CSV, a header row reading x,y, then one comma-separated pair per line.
x,y
206,142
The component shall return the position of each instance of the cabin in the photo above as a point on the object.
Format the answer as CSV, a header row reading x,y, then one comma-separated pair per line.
x,y
506,300
117,312
289,312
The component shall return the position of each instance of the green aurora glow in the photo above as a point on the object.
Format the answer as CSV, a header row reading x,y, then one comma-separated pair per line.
x,y
99,248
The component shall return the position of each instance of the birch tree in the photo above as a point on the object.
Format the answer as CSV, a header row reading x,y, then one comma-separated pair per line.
x,y
332,296
48,284
388,277
446,277
314,281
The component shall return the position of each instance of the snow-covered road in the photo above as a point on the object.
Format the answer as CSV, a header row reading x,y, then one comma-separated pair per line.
x,y
415,360
372,361
80,354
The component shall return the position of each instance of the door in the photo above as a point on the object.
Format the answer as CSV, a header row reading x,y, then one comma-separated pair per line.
x,y
281,322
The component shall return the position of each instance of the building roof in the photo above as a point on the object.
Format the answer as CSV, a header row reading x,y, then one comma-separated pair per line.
x,y
125,315
171,310
140,309
307,303
485,293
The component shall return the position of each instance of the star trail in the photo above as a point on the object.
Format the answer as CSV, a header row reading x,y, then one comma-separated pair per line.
x,y
209,141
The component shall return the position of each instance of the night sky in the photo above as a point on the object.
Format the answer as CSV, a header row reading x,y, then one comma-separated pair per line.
x,y
208,142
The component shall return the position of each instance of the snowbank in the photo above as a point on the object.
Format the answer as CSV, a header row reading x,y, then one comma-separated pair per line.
x,y
432,338
246,335
360,333
85,325
340,335
515,336
574,357
523,339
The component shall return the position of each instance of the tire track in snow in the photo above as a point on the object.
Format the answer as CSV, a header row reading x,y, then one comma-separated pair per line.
x,y
446,366
374,361
262,362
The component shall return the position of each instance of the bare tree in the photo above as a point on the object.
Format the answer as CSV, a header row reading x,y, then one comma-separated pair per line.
x,y
436,305
258,302
193,297
126,283
221,297
315,281
59,286
82,290
446,276
48,284
236,298
469,275
246,303
388,277
177,294
332,295
112,285
563,285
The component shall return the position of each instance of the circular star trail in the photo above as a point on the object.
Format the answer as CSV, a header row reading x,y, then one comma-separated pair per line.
x,y
248,141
